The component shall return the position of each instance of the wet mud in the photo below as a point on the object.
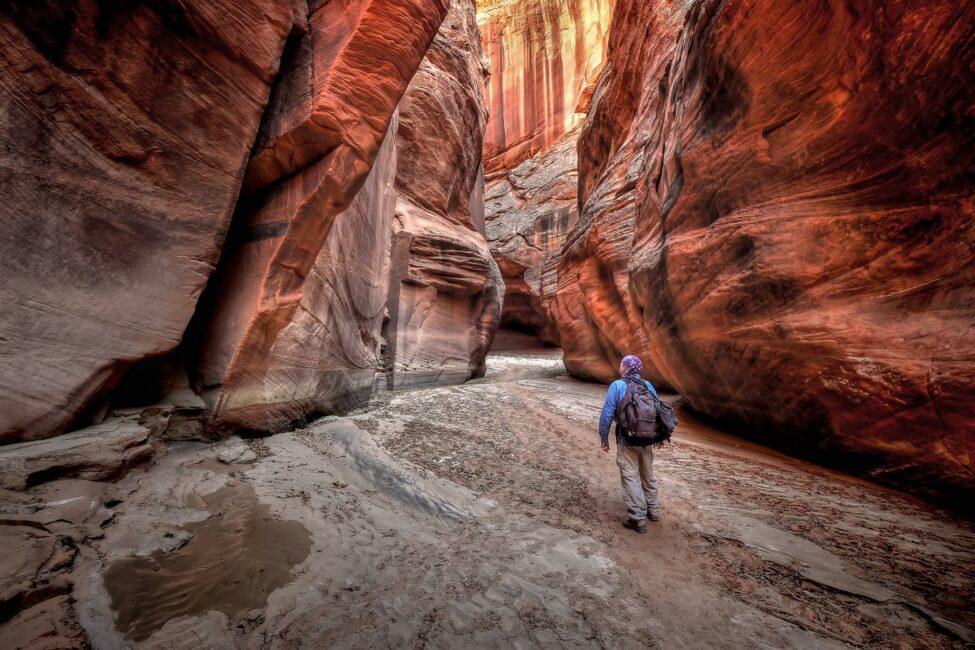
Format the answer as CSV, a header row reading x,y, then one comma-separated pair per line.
x,y
233,560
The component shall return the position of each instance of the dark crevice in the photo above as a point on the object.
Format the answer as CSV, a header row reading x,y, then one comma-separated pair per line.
x,y
147,381
239,231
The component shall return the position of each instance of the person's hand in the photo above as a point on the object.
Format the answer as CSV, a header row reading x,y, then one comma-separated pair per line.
x,y
604,446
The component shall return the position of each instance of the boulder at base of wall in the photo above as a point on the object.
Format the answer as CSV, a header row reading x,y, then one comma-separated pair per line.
x,y
444,305
95,453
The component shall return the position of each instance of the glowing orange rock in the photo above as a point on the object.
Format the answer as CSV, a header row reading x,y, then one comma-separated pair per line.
x,y
545,55
792,185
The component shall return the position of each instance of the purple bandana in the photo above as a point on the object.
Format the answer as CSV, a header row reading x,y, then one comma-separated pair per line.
x,y
631,366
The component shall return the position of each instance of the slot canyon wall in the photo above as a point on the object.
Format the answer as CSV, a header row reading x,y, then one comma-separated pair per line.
x,y
225,206
769,207
120,168
777,212
446,294
545,58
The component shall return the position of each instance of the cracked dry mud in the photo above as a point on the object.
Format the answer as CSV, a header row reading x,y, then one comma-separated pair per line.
x,y
485,515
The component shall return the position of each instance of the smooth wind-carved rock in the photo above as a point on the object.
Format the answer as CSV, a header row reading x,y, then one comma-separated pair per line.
x,y
596,317
125,132
802,210
445,288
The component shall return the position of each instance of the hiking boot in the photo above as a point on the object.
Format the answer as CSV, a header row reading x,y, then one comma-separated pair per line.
x,y
634,525
653,516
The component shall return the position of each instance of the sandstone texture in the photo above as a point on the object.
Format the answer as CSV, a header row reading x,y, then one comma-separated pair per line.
x,y
545,57
530,210
325,358
445,290
596,316
95,453
291,325
120,164
777,203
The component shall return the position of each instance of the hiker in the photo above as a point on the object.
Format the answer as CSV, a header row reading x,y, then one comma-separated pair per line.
x,y
634,456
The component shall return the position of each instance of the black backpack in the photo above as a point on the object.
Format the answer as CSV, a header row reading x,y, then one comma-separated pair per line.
x,y
643,419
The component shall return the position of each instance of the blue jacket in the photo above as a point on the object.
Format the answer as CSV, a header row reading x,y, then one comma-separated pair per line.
x,y
613,397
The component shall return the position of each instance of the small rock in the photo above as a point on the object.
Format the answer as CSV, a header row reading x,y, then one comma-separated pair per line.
x,y
236,452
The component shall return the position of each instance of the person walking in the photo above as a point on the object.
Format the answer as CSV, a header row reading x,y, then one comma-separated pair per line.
x,y
634,458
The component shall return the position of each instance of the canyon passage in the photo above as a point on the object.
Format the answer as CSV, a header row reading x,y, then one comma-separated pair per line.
x,y
309,308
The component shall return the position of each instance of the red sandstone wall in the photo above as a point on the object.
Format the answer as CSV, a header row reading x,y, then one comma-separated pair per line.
x,y
530,210
596,315
124,132
127,174
544,55
778,203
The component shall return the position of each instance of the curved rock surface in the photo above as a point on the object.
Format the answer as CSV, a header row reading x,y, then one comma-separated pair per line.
x,y
545,56
445,288
325,358
291,325
120,166
595,313
798,177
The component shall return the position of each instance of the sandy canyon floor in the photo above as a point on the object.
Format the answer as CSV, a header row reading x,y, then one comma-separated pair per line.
x,y
485,515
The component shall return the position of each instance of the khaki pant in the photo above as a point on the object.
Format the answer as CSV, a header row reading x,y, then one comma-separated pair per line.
x,y
640,493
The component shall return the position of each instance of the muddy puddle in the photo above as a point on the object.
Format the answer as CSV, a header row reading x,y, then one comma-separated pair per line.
x,y
231,563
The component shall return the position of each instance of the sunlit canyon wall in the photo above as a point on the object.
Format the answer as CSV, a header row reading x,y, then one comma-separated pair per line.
x,y
545,57
777,213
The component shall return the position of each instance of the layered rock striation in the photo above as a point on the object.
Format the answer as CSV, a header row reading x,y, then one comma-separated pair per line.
x,y
120,165
445,291
596,315
778,197
545,56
